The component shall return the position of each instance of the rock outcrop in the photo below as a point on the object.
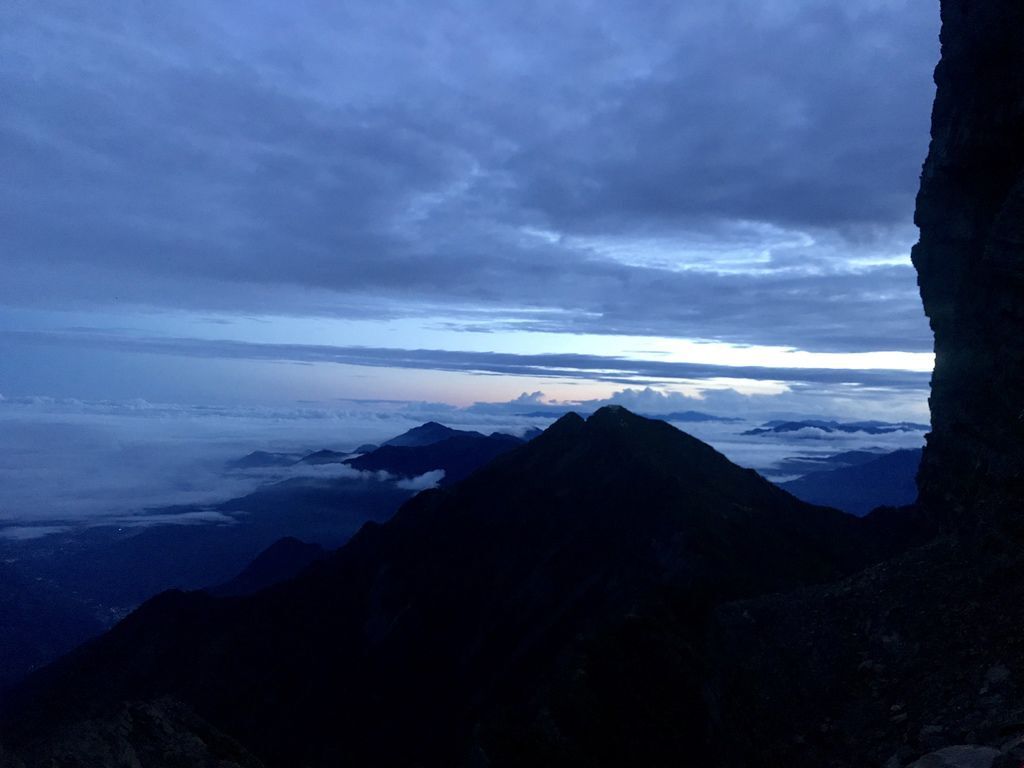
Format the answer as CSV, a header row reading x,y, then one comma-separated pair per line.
x,y
962,756
137,735
970,262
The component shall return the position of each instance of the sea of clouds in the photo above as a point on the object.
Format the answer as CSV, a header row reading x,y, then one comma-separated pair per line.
x,y
66,462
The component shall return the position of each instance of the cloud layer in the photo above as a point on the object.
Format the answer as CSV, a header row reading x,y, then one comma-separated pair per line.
x,y
736,171
611,369
65,463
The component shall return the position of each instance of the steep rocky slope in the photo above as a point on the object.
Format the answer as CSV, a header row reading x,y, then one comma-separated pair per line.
x,y
912,655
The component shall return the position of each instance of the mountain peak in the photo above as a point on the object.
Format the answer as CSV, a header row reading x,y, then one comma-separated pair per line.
x,y
427,434
606,411
617,416
622,442
571,418
565,427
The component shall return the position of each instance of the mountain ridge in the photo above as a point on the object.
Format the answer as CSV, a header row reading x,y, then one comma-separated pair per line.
x,y
479,597
427,433
285,559
457,456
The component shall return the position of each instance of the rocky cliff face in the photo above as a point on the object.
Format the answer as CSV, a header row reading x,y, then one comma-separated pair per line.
x,y
970,262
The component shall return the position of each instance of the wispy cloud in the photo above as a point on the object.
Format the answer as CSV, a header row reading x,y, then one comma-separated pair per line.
x,y
423,482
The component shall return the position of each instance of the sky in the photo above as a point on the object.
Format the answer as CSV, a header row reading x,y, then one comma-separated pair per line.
x,y
274,204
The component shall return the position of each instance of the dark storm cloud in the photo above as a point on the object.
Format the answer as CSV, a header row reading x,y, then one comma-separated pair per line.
x,y
565,366
379,159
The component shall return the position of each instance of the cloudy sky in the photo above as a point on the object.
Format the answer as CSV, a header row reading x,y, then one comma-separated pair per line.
x,y
261,203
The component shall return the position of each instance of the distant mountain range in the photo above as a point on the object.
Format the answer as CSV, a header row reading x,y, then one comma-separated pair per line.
x,y
457,456
402,455
888,480
867,427
428,434
426,448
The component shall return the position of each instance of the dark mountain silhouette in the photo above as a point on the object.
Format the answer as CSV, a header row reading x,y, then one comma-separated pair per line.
x,y
284,559
427,434
867,427
458,456
888,480
366,448
563,589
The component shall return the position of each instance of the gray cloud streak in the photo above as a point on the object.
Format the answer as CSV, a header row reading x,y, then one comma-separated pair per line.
x,y
568,366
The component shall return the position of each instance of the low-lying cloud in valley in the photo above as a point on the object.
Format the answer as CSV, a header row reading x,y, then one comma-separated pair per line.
x,y
71,462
